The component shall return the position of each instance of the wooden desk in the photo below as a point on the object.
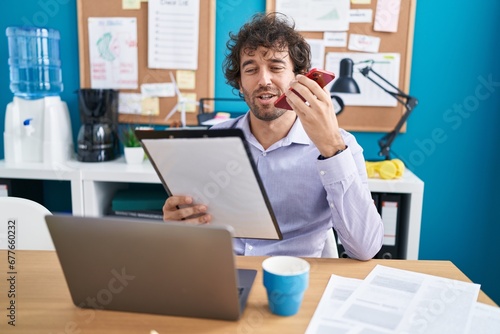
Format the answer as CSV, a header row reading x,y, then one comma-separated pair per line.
x,y
43,302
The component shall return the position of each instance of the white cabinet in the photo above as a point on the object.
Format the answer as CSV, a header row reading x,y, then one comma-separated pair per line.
x,y
54,172
413,189
93,186
101,180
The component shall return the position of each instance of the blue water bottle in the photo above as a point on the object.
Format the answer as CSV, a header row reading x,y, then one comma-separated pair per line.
x,y
35,67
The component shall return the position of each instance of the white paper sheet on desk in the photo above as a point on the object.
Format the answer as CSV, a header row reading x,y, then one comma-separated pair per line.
x,y
392,300
485,319
336,293
215,171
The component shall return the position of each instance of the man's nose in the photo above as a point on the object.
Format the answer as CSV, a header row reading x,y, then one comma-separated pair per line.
x,y
265,78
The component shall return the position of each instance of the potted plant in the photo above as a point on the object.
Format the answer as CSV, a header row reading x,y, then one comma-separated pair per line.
x,y
132,149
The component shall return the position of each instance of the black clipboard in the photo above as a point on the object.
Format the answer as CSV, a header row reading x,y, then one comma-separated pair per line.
x,y
216,168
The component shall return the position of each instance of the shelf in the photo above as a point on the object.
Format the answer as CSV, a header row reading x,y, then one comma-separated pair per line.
x,y
94,184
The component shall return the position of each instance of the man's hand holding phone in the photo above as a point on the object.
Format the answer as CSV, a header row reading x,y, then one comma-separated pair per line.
x,y
321,77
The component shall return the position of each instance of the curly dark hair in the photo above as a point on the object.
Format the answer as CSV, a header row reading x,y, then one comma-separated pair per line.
x,y
273,31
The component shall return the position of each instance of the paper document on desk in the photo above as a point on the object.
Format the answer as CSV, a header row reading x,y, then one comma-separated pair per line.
x,y
336,293
392,300
485,319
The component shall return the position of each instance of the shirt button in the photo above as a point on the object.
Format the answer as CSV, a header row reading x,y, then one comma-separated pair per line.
x,y
264,154
250,247
322,172
331,205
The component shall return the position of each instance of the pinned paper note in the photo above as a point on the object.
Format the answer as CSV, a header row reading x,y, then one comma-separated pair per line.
x,y
186,79
190,102
385,64
166,89
131,4
129,103
387,15
150,106
364,43
317,52
316,15
173,34
361,2
360,15
113,52
335,39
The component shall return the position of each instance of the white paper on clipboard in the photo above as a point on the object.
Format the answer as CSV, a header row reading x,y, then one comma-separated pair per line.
x,y
216,171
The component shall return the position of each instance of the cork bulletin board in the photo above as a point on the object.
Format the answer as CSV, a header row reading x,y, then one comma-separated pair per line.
x,y
204,74
376,118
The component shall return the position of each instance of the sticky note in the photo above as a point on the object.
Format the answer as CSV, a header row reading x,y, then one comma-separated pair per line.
x,y
186,79
189,101
131,4
150,106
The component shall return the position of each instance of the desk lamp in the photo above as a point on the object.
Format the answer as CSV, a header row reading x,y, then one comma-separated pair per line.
x,y
346,84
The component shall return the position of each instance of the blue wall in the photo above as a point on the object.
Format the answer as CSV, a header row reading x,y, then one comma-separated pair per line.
x,y
455,55
56,14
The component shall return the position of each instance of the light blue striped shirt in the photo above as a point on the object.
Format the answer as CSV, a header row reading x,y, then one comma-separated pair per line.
x,y
310,196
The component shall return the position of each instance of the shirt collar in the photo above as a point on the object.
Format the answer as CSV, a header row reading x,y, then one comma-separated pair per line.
x,y
296,135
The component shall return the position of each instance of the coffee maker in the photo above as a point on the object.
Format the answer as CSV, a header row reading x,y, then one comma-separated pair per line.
x,y
98,137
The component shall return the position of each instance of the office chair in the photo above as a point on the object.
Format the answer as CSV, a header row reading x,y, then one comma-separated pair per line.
x,y
330,250
24,220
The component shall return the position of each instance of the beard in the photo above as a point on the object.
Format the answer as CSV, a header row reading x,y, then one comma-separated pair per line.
x,y
263,112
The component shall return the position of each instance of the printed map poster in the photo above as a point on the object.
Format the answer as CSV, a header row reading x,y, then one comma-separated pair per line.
x,y
113,52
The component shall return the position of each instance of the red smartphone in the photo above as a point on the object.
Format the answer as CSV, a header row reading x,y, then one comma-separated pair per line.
x,y
322,77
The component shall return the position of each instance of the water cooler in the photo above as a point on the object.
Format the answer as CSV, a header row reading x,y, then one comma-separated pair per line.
x,y
37,122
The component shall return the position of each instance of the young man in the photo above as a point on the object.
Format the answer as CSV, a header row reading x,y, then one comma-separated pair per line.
x,y
313,172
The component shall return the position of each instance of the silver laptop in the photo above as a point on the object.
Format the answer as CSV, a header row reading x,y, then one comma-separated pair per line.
x,y
150,267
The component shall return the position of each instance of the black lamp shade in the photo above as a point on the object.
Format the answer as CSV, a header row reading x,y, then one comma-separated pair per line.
x,y
345,82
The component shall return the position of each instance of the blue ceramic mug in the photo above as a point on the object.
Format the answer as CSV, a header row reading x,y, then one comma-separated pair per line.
x,y
286,278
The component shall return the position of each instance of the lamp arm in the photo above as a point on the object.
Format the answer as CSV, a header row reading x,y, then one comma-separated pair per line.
x,y
408,101
386,141
398,95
